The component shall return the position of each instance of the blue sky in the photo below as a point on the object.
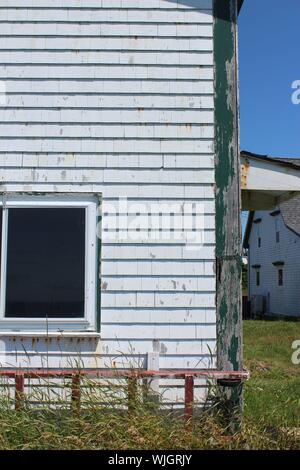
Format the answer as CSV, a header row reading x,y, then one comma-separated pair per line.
x,y
269,60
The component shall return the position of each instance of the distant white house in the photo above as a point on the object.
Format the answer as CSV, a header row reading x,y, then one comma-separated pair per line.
x,y
273,242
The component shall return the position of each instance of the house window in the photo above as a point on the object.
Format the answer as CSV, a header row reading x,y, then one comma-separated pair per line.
x,y
258,233
257,278
280,277
48,261
277,232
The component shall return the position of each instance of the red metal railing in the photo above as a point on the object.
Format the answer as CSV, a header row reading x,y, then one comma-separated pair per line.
x,y
224,378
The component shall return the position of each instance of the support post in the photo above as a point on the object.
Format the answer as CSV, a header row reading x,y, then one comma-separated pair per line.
x,y
76,394
188,398
228,201
19,391
152,384
132,393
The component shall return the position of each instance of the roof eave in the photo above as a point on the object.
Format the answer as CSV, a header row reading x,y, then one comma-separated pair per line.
x,y
266,158
240,4
248,229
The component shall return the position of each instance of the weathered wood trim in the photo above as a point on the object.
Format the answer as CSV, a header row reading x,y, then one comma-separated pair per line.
x,y
99,264
228,193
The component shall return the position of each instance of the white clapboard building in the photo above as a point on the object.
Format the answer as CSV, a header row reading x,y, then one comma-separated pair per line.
x,y
118,122
272,239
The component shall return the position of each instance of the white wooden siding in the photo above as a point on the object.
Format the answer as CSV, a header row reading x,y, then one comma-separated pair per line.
x,y
117,97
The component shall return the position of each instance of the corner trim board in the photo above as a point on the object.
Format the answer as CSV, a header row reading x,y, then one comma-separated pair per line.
x,y
228,192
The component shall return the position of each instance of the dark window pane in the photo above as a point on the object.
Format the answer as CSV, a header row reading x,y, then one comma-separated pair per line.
x,y
257,278
45,263
280,277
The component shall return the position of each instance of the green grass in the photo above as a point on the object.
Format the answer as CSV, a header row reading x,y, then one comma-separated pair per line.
x,y
142,429
271,418
273,392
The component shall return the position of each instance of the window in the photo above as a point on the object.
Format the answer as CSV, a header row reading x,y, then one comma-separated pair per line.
x,y
48,261
257,278
280,277
277,232
258,233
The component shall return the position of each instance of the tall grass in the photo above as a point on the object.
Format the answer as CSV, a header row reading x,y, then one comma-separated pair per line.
x,y
47,421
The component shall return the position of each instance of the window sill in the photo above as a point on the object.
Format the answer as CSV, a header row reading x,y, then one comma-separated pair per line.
x,y
50,334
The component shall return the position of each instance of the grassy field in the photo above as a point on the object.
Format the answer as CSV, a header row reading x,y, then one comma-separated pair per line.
x,y
273,393
271,418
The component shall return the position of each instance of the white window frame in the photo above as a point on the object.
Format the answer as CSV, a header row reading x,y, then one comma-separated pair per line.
x,y
88,323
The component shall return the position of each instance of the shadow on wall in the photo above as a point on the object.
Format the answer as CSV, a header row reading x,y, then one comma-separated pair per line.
x,y
222,11
201,4
49,352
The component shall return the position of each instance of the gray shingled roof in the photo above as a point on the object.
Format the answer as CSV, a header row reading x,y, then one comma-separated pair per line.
x,y
290,210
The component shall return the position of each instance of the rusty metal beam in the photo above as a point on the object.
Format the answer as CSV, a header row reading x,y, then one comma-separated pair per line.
x,y
189,398
76,393
34,373
223,378
19,390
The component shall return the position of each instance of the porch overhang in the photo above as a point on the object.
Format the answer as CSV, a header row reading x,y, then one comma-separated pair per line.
x,y
266,182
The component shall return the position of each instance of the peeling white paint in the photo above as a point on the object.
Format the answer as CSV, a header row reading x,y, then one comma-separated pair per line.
x,y
106,113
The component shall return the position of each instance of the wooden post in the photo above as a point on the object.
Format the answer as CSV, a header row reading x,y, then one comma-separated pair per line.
x,y
132,393
19,391
188,398
151,394
76,394
228,200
